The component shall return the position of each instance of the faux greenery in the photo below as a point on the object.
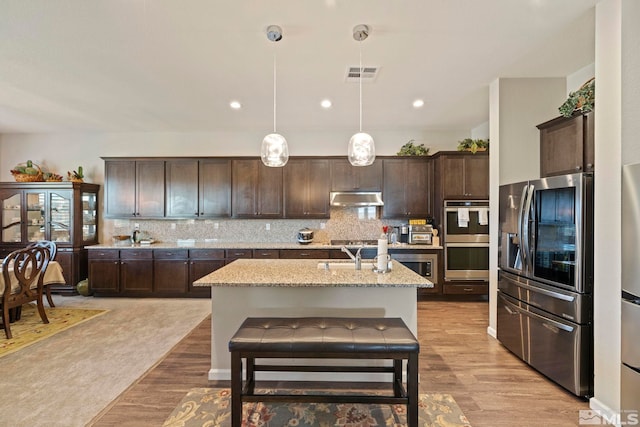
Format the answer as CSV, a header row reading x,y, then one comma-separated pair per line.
x,y
409,149
581,100
79,174
473,145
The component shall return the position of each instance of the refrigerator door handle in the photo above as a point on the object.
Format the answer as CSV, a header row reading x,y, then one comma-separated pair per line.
x,y
525,240
546,292
520,225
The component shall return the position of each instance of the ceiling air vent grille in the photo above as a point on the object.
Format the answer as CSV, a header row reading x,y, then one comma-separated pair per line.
x,y
369,74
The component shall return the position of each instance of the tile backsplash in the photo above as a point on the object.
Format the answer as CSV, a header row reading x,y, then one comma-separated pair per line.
x,y
344,223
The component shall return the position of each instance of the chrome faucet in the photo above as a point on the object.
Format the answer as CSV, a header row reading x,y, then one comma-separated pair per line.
x,y
357,258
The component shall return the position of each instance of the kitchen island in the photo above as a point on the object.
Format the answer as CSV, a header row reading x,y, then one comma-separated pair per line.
x,y
297,288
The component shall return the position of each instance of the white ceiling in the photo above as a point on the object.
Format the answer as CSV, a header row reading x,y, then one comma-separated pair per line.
x,y
174,65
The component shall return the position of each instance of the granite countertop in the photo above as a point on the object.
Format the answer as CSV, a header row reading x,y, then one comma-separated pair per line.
x,y
248,245
305,273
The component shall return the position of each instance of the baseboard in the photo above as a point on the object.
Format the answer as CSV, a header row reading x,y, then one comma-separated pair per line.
x,y
492,332
610,417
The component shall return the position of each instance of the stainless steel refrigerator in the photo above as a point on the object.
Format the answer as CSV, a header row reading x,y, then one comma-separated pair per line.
x,y
545,277
630,351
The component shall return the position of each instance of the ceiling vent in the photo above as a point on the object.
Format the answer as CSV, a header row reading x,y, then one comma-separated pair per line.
x,y
369,74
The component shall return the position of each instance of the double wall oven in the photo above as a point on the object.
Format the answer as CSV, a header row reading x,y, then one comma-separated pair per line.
x,y
545,277
466,240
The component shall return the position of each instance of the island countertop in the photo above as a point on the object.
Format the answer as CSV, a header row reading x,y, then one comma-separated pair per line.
x,y
305,273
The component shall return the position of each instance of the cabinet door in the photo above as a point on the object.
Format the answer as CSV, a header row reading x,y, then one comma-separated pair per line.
x,y
12,219
393,192
257,190
181,188
406,190
215,188
566,145
245,183
104,275
136,271
170,276
59,216
346,177
452,177
36,215
418,188
476,176
199,268
120,188
150,188
306,187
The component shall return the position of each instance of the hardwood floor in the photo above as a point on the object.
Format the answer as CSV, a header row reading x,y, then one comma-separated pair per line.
x,y
492,387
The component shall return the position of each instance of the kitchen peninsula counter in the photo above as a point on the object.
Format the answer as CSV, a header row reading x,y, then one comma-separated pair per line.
x,y
298,288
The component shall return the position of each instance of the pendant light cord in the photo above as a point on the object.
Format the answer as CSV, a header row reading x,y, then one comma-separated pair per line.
x,y
360,83
274,91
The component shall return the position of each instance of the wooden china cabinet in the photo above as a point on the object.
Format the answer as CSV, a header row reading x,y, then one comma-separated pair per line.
x,y
63,212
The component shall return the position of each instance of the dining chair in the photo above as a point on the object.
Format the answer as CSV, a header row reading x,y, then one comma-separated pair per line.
x,y
51,247
23,277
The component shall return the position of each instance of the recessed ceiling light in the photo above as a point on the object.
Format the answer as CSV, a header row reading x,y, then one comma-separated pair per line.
x,y
235,105
418,103
326,103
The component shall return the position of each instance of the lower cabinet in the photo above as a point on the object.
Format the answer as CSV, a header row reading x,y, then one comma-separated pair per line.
x,y
466,288
152,272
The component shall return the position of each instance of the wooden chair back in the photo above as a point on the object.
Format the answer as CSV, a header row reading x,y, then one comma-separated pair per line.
x,y
47,244
23,274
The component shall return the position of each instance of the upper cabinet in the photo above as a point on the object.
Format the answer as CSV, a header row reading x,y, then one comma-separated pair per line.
x,y
306,188
462,175
257,190
198,188
346,177
134,188
407,188
567,145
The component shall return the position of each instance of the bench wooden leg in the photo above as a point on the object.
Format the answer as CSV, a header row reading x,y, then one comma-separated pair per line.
x,y
412,390
397,377
236,390
251,380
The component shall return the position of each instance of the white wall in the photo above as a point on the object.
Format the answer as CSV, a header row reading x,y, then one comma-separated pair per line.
x,y
523,104
63,152
578,78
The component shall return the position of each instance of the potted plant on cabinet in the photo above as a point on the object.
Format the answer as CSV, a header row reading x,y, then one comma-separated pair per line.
x,y
473,145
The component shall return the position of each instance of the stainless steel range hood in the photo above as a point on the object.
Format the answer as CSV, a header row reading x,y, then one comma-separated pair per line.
x,y
356,198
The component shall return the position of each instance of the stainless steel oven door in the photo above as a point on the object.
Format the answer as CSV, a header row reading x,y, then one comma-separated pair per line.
x,y
425,265
466,261
466,221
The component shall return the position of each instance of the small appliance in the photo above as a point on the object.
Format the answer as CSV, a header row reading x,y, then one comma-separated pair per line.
x,y
421,234
305,236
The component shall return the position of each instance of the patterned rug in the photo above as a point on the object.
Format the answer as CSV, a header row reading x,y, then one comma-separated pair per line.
x,y
211,407
30,329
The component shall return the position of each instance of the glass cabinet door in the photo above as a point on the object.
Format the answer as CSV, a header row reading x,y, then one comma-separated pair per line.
x,y
60,216
35,216
11,218
89,215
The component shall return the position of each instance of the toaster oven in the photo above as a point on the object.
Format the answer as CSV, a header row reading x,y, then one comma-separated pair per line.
x,y
420,234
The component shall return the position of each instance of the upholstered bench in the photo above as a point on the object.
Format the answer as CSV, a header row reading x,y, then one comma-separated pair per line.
x,y
324,338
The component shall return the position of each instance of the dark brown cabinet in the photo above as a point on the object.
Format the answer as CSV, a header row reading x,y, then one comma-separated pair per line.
x,y
104,271
201,263
407,188
462,176
170,271
567,145
136,272
346,177
134,188
304,254
198,188
257,190
306,188
63,212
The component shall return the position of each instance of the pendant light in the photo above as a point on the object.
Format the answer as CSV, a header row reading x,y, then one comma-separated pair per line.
x,y
362,151
274,151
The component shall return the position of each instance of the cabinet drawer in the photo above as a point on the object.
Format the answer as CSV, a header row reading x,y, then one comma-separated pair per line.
x,y
206,253
304,253
170,253
471,289
104,254
136,254
266,253
238,253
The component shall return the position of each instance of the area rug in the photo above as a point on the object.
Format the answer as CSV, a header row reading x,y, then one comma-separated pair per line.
x,y
211,407
30,329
